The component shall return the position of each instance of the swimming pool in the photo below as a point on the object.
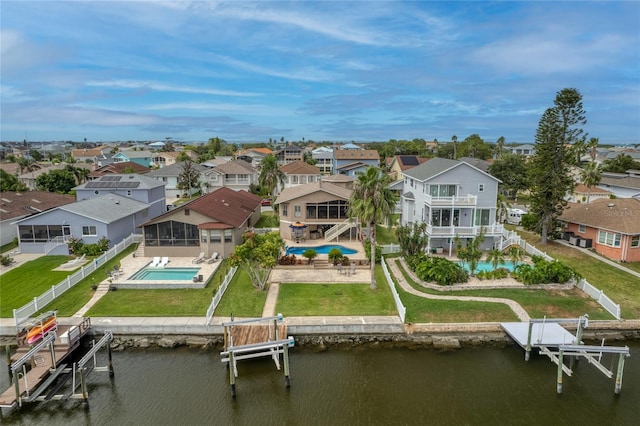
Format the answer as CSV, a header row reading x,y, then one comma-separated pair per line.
x,y
486,266
298,250
165,274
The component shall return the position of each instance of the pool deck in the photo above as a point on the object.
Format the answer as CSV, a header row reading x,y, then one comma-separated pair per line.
x,y
130,265
354,245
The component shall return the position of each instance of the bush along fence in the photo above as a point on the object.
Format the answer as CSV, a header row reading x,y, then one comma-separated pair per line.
x,y
512,238
22,314
218,296
402,310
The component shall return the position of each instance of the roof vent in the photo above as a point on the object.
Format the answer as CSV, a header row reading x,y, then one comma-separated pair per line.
x,y
611,205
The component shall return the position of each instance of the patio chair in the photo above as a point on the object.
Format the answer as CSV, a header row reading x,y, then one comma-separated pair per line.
x,y
155,262
163,262
199,259
340,269
353,268
214,258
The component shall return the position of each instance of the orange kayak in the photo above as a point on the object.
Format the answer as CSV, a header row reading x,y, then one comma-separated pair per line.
x,y
36,332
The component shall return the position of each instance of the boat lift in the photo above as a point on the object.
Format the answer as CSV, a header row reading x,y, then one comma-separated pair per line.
x,y
548,333
259,340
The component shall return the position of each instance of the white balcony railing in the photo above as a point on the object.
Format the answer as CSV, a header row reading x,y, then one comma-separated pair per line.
x,y
467,200
452,231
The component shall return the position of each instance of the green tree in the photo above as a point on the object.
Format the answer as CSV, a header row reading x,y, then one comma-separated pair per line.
x,y
474,146
11,183
592,148
413,239
454,139
550,180
620,164
372,202
258,255
470,252
515,254
61,181
26,165
271,177
499,147
495,257
591,175
35,154
80,174
189,178
511,169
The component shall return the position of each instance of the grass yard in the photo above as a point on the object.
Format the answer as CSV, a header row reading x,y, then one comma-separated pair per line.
x,y
386,235
153,303
241,298
297,299
620,286
268,220
20,285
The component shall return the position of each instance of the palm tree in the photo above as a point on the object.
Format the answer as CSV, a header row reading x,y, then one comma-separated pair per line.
x,y
515,255
271,177
454,138
372,202
500,146
591,176
592,147
495,257
79,173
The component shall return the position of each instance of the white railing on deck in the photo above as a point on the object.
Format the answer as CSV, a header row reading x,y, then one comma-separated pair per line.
x,y
53,243
218,296
402,310
25,312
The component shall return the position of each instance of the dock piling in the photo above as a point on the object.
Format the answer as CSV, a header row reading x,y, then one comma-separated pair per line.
x,y
559,380
232,376
287,382
618,386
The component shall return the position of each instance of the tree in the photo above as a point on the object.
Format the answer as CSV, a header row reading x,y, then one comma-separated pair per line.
x,y
26,165
592,148
11,183
61,181
271,177
471,251
550,180
591,175
620,164
372,202
80,174
511,169
515,255
454,139
35,154
189,177
495,257
413,239
499,147
474,147
258,255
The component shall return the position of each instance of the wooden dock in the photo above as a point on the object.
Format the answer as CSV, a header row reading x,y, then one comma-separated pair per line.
x,y
251,334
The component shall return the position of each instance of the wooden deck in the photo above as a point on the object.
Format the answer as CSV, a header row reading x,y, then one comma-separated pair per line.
x,y
249,334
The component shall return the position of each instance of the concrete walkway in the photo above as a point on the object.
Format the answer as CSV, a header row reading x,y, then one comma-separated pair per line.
x,y
515,307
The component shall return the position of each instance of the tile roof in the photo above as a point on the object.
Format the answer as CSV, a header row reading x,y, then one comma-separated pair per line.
x,y
584,189
356,154
299,167
620,215
18,204
225,205
292,193
118,168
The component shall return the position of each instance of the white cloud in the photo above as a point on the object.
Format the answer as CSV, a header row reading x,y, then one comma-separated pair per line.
x,y
132,84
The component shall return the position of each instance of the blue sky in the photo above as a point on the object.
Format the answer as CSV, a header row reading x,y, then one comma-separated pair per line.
x,y
324,70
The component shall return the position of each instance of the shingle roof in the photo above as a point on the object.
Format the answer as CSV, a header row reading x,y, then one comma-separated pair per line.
x,y
436,166
18,204
235,167
583,189
623,182
118,168
107,208
620,215
338,178
225,205
356,154
289,194
299,167
175,169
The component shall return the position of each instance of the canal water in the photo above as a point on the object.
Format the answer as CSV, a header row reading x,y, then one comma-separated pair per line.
x,y
356,386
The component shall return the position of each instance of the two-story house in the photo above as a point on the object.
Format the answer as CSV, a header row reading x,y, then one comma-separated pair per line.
x,y
170,176
324,159
289,154
352,161
526,150
254,156
144,158
400,163
454,199
299,173
236,174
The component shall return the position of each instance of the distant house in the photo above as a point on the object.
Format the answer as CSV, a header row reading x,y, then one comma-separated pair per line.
x,y
289,154
18,205
236,174
299,173
213,223
144,158
137,187
111,216
622,185
454,199
29,178
170,174
118,168
322,207
583,194
400,163
84,154
103,159
526,150
612,227
349,162
324,159
254,156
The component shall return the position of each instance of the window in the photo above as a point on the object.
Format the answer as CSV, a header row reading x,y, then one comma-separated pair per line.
x,y
215,236
285,210
582,229
609,239
228,235
297,211
187,212
294,179
481,187
635,241
482,217
89,231
442,190
203,236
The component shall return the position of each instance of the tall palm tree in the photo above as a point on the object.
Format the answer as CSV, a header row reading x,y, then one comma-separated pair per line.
x,y
515,255
372,202
271,177
454,138
495,257
591,176
80,174
592,147
499,146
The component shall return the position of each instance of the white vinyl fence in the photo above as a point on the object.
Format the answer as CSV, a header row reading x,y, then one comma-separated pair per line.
x,y
390,248
22,314
611,307
402,310
218,296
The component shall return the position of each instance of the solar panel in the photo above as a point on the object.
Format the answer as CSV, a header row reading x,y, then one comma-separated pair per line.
x,y
409,160
115,185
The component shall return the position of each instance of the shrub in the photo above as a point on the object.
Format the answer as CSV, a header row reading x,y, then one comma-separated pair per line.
x,y
441,270
6,260
545,272
367,250
287,259
310,254
335,256
529,221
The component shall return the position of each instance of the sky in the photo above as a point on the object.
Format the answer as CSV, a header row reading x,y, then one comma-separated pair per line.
x,y
314,70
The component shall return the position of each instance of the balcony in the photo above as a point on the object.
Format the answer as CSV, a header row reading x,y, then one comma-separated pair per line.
x,y
464,231
456,201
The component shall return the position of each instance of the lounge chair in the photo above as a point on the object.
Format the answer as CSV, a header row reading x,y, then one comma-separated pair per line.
x,y
155,262
214,258
163,262
199,259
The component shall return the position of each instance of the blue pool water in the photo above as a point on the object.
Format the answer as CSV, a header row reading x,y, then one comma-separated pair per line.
x,y
487,266
166,274
298,250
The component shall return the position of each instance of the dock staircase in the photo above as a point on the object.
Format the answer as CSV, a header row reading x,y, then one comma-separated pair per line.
x,y
337,230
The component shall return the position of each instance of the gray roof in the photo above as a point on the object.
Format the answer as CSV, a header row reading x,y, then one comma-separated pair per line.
x,y
125,182
408,196
622,182
476,162
107,209
175,169
436,166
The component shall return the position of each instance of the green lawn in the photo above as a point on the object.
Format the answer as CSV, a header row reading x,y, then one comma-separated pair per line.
x,y
153,303
241,299
20,285
268,220
386,235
